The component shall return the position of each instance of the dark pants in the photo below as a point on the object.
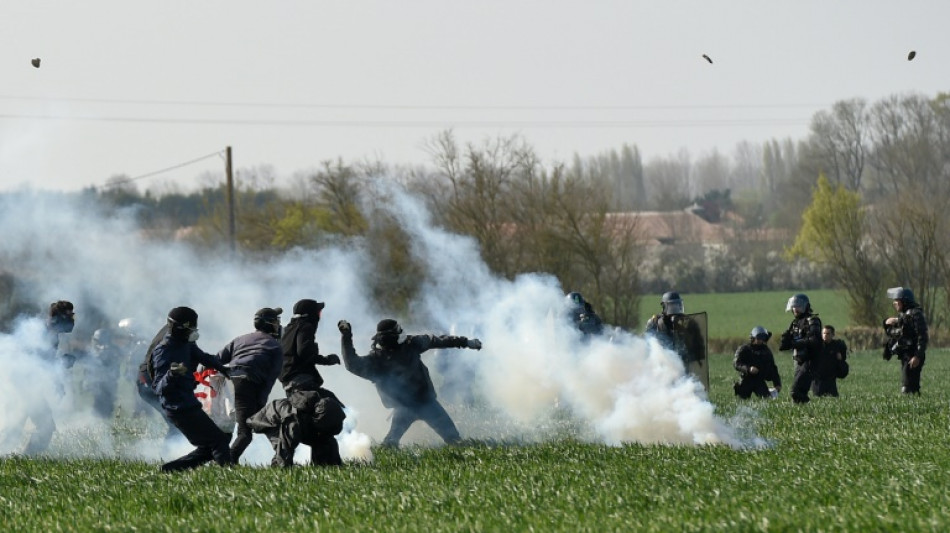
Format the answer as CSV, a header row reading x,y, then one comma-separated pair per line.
x,y
825,386
748,386
249,398
802,382
910,377
149,398
39,413
202,432
430,412
324,449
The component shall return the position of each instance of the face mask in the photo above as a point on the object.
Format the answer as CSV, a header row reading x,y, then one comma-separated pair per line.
x,y
193,335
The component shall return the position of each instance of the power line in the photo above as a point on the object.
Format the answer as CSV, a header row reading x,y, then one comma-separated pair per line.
x,y
445,107
123,181
652,123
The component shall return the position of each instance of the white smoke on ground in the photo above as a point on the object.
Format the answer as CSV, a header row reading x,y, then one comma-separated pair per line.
x,y
629,389
622,388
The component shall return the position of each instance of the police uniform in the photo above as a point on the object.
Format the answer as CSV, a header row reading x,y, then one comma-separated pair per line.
x,y
803,338
758,356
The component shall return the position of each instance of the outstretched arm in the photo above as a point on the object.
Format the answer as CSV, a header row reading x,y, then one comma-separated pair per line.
x,y
354,363
427,342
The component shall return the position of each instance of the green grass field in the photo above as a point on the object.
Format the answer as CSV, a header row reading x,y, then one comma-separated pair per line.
x,y
735,314
871,460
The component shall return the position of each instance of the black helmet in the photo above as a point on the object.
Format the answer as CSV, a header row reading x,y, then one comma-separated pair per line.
x,y
183,323
388,333
268,320
799,301
308,309
901,293
575,300
672,304
760,333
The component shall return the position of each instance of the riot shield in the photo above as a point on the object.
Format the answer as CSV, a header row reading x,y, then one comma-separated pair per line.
x,y
697,347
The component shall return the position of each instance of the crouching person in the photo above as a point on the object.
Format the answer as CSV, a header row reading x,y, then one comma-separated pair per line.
x,y
756,365
311,417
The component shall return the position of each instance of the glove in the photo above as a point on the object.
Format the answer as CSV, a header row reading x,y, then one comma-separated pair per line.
x,y
786,342
178,369
345,328
474,344
333,359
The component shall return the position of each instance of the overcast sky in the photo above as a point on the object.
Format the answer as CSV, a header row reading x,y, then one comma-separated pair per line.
x,y
136,87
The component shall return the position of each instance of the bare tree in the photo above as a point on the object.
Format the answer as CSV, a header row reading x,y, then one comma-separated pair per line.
x,y
668,182
910,232
838,145
909,135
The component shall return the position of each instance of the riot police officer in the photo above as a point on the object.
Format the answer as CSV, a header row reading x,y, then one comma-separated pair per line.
x,y
756,365
677,331
803,338
582,315
255,360
907,337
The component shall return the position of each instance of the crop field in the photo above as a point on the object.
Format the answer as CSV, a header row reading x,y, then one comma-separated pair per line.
x,y
871,460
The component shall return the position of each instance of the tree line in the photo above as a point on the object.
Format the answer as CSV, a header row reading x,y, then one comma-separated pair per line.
x,y
857,205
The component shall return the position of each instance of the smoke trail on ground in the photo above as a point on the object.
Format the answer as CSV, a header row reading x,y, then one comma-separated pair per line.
x,y
534,367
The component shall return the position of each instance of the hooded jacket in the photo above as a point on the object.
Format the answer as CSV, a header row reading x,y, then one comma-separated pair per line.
x,y
301,351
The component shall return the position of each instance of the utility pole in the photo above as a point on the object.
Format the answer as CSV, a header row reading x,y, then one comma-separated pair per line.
x,y
230,176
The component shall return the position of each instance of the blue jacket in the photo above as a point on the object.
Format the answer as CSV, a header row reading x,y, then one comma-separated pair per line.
x,y
178,392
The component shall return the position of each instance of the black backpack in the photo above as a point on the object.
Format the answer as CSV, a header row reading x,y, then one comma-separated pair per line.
x,y
843,369
322,412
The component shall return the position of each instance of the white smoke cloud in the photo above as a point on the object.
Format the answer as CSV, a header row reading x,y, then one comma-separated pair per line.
x,y
533,369
627,388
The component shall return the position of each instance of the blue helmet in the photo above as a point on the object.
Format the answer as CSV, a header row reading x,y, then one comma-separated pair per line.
x,y
798,301
672,304
575,300
901,293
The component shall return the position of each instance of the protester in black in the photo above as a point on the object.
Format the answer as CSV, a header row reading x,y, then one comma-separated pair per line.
x,y
172,366
395,367
301,351
59,320
311,417
255,360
